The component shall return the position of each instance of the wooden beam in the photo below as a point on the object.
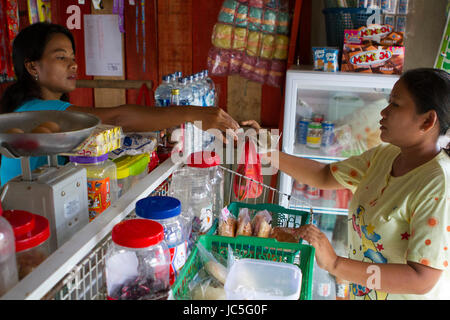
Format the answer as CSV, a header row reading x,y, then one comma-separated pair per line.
x,y
114,84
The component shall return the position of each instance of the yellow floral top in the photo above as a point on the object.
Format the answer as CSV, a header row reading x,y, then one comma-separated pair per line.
x,y
398,219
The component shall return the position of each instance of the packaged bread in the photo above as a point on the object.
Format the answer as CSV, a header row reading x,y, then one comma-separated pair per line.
x,y
244,227
227,223
261,224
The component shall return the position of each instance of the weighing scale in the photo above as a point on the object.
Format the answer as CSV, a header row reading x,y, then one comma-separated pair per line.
x,y
56,192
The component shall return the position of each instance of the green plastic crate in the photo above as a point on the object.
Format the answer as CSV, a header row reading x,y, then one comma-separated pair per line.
x,y
281,217
249,247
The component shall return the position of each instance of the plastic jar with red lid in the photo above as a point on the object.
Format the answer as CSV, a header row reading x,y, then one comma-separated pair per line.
x,y
137,263
8,265
31,232
209,163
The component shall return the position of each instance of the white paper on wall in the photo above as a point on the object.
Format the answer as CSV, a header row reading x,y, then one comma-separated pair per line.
x,y
103,45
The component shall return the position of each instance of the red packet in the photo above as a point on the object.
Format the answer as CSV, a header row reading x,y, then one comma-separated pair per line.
x,y
250,168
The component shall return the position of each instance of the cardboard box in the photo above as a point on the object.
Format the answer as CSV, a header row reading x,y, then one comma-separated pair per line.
x,y
373,49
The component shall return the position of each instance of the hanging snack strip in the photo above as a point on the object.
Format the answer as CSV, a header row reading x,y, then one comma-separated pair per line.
x,y
250,39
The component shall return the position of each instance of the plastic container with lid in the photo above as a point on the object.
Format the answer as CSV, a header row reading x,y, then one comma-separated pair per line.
x,y
101,181
209,162
31,233
130,169
255,279
167,211
8,265
137,263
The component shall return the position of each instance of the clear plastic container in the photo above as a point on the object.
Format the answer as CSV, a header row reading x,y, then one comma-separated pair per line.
x,y
31,233
167,211
8,265
253,279
101,180
209,162
200,203
130,169
137,264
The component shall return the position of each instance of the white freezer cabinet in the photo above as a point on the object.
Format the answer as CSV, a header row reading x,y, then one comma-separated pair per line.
x,y
349,104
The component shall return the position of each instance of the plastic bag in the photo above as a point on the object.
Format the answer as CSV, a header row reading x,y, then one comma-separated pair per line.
x,y
261,224
244,226
227,223
250,39
250,168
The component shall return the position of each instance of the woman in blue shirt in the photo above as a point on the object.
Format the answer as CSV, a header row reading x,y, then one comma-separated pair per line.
x,y
46,71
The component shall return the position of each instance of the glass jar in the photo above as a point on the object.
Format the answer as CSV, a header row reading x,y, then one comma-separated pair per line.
x,y
31,233
209,162
101,181
8,265
137,263
167,211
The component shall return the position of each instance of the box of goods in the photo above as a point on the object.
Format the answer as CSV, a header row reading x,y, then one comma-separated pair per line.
x,y
373,49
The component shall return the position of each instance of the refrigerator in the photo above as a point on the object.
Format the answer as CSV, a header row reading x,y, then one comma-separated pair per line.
x,y
329,117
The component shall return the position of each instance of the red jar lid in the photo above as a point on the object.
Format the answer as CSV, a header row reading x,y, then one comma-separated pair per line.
x,y
21,221
203,159
137,233
38,235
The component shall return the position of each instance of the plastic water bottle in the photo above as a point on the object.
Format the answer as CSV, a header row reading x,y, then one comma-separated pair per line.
x,y
175,96
196,100
178,75
185,92
211,96
163,92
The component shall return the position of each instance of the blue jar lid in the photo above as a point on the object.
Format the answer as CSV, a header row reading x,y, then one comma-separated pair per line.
x,y
158,208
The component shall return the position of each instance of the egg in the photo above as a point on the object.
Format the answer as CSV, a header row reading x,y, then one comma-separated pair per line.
x,y
40,129
15,130
53,126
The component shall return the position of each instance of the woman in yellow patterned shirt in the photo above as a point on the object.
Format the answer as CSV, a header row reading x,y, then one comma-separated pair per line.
x,y
399,217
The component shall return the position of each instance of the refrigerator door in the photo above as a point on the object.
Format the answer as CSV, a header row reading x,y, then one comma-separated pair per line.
x,y
330,117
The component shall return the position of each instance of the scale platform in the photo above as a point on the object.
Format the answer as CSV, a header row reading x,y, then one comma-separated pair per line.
x,y
58,193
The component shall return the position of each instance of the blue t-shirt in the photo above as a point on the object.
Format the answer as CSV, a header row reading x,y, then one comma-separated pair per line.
x,y
11,168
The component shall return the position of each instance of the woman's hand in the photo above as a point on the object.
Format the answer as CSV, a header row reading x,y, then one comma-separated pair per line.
x,y
251,123
325,255
216,118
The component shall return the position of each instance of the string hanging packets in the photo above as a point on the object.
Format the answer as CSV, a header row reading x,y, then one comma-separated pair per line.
x,y
250,39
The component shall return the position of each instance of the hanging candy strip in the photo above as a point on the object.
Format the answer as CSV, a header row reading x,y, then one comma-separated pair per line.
x,y
3,41
12,17
143,34
118,8
44,10
33,13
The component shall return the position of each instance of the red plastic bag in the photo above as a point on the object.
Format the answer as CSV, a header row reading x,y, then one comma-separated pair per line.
x,y
250,168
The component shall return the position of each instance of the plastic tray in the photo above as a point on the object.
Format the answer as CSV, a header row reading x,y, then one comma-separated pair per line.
x,y
253,248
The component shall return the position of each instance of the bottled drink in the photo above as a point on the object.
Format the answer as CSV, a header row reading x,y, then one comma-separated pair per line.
x,y
163,92
211,95
185,92
175,97
196,99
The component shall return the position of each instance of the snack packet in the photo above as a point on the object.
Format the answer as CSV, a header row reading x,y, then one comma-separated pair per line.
x,y
227,223
261,224
244,227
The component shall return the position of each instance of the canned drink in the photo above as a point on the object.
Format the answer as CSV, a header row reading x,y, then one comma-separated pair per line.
x,y
318,117
327,134
314,136
303,130
312,193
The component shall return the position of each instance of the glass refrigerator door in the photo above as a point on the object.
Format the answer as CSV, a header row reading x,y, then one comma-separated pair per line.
x,y
330,117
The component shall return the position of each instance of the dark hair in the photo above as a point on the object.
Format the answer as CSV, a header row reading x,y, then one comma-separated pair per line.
x,y
430,89
29,45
